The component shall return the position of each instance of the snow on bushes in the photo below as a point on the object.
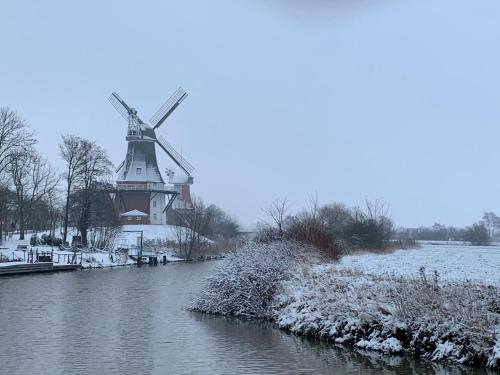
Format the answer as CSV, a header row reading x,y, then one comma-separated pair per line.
x,y
419,315
246,282
457,322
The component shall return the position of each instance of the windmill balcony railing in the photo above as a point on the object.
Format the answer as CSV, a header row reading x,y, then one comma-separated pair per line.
x,y
146,186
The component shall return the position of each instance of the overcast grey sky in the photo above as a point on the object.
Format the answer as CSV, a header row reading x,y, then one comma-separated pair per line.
x,y
391,100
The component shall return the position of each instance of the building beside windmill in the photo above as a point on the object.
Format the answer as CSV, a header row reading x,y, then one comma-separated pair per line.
x,y
141,194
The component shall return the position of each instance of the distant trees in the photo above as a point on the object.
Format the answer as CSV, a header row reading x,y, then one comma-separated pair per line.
x,y
477,234
220,224
195,228
332,228
438,232
483,232
492,223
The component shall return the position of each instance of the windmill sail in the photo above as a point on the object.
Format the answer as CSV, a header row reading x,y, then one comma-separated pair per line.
x,y
175,156
123,108
120,105
120,166
166,109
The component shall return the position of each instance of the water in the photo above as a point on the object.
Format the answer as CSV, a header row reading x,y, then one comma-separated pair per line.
x,y
132,321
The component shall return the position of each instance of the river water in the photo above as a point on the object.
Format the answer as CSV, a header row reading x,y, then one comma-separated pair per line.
x,y
132,321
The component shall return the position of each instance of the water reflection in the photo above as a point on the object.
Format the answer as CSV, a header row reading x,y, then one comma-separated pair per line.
x,y
132,321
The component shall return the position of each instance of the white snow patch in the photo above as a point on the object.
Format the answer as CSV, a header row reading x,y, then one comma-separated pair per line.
x,y
456,262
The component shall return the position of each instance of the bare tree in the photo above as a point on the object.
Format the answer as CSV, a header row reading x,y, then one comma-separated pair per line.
x,y
14,136
96,167
71,151
193,222
492,222
33,179
103,226
278,212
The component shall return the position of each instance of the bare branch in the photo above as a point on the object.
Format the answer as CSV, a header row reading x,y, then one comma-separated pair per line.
x,y
278,212
14,136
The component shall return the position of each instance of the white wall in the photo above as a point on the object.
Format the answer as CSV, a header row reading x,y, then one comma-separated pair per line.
x,y
156,207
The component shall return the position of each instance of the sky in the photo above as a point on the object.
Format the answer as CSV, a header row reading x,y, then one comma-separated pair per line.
x,y
345,100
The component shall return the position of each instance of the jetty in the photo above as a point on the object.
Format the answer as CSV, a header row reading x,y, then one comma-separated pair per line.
x,y
14,268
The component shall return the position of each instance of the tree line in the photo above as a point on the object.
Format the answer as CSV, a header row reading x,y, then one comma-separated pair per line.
x,y
35,196
336,229
333,228
482,232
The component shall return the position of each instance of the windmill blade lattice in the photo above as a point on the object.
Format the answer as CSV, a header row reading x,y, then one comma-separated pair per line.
x,y
175,156
167,108
122,108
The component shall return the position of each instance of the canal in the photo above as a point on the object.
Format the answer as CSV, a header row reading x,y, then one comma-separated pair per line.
x,y
132,321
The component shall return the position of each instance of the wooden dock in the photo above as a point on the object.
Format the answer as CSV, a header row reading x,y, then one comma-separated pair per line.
x,y
23,268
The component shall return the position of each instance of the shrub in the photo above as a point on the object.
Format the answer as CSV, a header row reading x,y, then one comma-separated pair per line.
x,y
246,282
369,228
309,230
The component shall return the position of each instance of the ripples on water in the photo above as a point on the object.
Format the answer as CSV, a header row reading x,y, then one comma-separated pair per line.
x,y
131,321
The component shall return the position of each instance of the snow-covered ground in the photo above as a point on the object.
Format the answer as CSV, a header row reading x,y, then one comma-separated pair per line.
x,y
455,262
150,232
96,259
99,259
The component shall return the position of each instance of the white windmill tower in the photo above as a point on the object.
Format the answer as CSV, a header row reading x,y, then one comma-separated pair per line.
x,y
141,193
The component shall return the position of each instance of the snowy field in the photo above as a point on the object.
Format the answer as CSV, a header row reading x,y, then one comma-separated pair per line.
x,y
455,262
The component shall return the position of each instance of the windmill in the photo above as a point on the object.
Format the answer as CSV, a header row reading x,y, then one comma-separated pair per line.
x,y
139,183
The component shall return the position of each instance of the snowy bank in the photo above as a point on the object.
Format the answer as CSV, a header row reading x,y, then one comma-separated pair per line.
x,y
417,314
457,322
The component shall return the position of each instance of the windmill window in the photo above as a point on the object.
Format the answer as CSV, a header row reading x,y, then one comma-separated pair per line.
x,y
154,205
154,216
138,170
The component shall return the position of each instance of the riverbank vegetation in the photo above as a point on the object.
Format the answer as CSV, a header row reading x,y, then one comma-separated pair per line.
x,y
421,315
334,229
